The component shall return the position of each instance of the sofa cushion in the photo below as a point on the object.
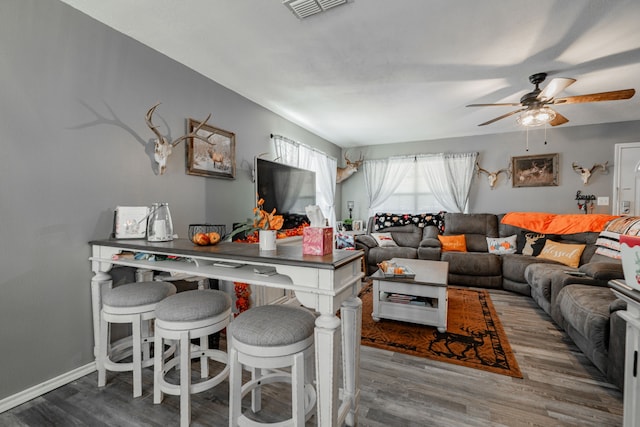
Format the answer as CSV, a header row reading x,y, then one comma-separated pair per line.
x,y
384,240
603,270
473,263
502,245
585,310
514,265
475,227
568,254
539,277
453,243
377,254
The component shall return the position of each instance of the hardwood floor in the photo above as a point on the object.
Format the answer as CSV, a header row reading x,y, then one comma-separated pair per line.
x,y
560,388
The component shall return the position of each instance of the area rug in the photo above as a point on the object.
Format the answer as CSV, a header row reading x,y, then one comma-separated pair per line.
x,y
474,336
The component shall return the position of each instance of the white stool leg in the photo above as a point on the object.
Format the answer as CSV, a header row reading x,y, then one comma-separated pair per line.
x,y
103,352
145,328
185,379
235,386
204,360
136,329
256,393
158,368
297,390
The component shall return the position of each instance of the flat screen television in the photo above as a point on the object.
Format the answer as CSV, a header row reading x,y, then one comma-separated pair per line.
x,y
287,189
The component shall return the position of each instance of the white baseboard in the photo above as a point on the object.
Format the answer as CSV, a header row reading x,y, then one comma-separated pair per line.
x,y
45,387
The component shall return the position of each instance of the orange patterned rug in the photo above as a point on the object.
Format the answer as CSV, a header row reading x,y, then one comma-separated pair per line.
x,y
474,336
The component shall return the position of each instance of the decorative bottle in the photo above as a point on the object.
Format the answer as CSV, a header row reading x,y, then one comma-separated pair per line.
x,y
160,226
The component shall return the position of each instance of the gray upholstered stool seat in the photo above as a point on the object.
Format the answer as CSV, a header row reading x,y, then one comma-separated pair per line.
x,y
182,317
264,339
132,303
273,325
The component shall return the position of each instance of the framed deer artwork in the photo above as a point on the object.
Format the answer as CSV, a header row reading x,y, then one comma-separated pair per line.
x,y
535,171
217,158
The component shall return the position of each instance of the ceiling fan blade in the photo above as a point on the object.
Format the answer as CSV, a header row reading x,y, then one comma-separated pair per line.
x,y
554,87
506,104
501,117
558,120
615,95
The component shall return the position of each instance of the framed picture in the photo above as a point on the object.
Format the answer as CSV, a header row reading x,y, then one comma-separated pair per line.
x,y
339,226
535,171
357,225
218,159
130,222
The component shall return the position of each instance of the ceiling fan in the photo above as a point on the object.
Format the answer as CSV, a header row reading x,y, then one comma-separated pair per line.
x,y
535,110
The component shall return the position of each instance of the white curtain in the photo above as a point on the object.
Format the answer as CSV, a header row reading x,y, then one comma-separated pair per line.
x,y
298,155
449,177
382,178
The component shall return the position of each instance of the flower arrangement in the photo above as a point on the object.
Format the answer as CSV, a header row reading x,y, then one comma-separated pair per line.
x,y
262,220
243,292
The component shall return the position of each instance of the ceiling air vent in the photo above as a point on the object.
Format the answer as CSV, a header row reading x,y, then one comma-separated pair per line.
x,y
305,8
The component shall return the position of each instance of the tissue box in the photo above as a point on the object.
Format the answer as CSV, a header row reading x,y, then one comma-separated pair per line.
x,y
317,241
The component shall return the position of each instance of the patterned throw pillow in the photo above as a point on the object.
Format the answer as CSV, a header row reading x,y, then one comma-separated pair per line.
x,y
608,243
502,245
344,241
531,243
453,243
384,240
568,254
386,220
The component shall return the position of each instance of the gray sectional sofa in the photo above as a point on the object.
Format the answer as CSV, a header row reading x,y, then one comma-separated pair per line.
x,y
577,298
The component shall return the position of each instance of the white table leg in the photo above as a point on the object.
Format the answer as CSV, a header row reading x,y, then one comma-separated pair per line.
x,y
99,282
351,314
327,348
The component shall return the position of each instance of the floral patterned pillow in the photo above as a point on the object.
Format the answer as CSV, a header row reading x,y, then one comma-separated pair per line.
x,y
385,220
502,245
384,240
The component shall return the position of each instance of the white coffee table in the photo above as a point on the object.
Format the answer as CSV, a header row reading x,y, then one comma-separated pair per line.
x,y
429,285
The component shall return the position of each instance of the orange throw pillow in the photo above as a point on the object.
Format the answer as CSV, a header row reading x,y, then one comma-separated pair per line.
x,y
565,253
453,243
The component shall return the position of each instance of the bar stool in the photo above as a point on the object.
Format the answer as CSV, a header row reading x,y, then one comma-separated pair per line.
x,y
181,317
264,339
132,303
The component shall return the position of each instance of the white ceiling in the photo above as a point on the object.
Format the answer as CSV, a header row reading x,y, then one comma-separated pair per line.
x,y
384,71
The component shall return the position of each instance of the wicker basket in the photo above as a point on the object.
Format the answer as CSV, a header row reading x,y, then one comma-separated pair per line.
x,y
194,229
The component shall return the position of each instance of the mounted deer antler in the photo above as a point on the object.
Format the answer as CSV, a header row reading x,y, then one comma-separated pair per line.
x,y
585,173
492,177
350,169
163,146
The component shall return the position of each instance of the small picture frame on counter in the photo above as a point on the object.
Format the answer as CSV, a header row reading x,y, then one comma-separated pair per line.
x,y
130,222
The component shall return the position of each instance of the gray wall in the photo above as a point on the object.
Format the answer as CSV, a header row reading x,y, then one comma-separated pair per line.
x,y
75,145
74,95
584,145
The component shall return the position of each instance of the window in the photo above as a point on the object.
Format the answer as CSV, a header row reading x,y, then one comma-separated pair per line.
x,y
413,195
419,184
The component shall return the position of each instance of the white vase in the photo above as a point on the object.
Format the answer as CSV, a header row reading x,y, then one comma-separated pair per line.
x,y
267,240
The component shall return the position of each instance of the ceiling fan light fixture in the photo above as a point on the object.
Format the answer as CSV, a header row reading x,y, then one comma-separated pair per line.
x,y
536,117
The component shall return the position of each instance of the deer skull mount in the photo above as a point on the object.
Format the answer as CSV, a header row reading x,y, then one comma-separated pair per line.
x,y
585,174
492,177
163,146
349,169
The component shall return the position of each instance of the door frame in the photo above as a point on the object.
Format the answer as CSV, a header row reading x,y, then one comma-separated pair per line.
x,y
618,172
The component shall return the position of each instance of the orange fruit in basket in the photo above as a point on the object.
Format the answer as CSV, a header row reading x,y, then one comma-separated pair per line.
x,y
398,270
213,237
201,239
